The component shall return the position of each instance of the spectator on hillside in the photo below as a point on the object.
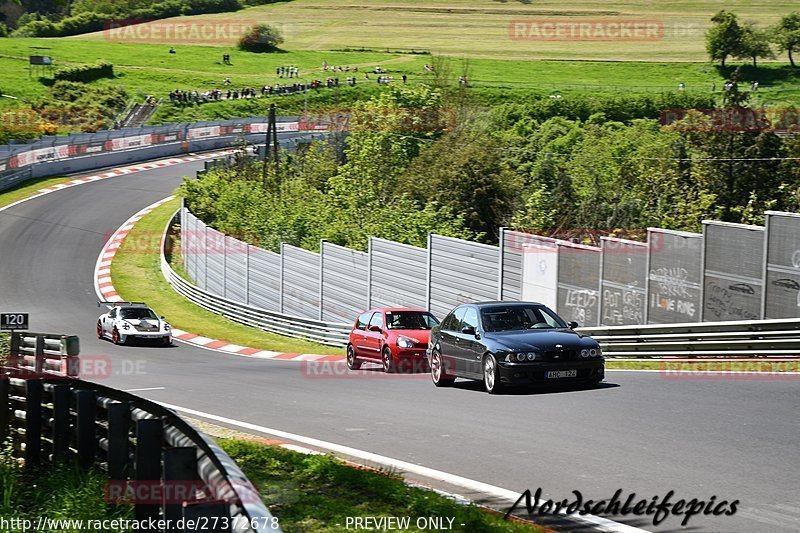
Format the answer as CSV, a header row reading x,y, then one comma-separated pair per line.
x,y
172,50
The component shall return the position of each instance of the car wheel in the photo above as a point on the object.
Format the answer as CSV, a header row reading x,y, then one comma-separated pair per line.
x,y
99,329
115,336
167,341
388,361
491,375
439,375
352,362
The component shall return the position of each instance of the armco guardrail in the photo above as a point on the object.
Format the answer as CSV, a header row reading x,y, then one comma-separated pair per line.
x,y
148,451
43,354
56,155
764,338
757,338
330,333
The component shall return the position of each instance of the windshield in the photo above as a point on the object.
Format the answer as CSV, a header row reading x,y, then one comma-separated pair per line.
x,y
520,317
138,314
410,320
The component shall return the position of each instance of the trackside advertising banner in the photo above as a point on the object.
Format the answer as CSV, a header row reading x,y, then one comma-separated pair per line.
x,y
102,144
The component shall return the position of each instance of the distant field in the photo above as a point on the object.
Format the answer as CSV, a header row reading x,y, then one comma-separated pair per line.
x,y
150,69
480,28
472,35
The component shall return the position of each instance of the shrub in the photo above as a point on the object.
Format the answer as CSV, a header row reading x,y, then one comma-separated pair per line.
x,y
85,73
44,27
261,38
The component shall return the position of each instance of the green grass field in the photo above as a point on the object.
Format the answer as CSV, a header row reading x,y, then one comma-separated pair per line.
x,y
480,28
473,35
149,69
137,277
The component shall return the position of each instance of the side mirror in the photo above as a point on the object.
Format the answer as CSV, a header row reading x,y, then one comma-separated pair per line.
x,y
572,324
375,328
468,330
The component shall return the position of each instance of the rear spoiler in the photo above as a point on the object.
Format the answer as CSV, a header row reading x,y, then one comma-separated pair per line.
x,y
117,304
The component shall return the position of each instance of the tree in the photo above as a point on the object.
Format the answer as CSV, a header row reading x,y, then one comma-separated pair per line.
x,y
724,39
465,172
786,34
261,38
755,43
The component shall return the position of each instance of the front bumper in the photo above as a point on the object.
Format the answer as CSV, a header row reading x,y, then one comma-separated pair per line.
x,y
411,359
523,373
147,337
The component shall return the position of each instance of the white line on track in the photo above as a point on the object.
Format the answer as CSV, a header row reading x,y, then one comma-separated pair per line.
x,y
599,523
144,389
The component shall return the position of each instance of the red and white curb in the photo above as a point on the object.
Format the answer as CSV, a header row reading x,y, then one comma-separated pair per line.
x,y
104,287
119,172
135,168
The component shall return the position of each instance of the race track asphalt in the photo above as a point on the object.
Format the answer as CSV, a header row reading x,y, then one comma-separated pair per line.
x,y
641,432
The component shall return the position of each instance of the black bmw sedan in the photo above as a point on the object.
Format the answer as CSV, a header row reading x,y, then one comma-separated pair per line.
x,y
511,343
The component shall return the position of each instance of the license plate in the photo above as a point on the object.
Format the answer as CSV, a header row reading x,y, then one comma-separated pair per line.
x,y
555,374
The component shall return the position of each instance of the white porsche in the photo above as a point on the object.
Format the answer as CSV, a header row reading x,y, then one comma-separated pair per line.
x,y
132,321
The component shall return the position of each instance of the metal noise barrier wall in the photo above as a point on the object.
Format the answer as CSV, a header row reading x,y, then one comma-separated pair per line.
x,y
398,274
539,270
783,265
512,244
193,244
264,279
579,283
623,282
215,261
675,275
344,282
460,271
733,266
301,277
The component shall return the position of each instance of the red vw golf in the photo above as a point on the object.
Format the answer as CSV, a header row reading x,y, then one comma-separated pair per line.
x,y
396,338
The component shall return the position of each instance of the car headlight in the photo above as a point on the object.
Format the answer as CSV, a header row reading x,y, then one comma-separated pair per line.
x,y
167,327
531,356
584,353
592,352
405,342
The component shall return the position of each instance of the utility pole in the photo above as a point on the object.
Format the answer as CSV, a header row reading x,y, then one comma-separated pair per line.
x,y
271,149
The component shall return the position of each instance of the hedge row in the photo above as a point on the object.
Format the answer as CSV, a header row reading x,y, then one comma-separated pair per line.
x,y
85,73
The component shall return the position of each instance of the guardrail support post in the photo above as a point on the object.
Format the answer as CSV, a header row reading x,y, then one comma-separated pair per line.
x,y
119,417
62,396
33,421
212,512
5,408
38,368
180,464
86,401
149,436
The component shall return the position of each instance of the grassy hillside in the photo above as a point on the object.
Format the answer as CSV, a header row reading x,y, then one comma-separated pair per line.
x,y
472,35
479,28
150,69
